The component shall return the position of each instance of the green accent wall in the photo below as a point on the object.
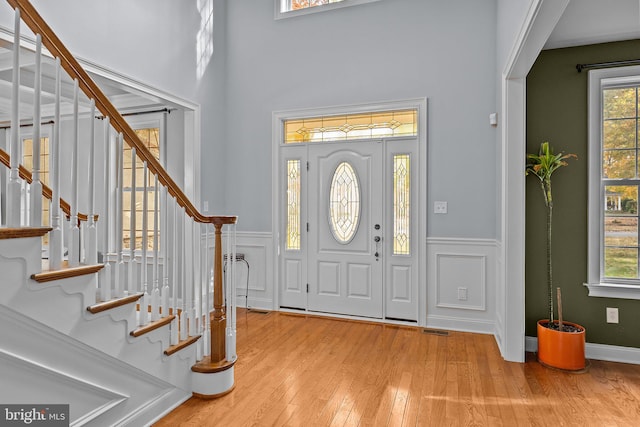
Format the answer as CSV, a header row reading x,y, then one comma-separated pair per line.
x,y
557,112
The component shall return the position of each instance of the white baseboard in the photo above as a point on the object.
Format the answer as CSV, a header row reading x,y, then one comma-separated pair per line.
x,y
157,408
610,353
258,303
461,324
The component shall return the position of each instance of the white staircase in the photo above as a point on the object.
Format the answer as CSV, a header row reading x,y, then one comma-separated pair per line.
x,y
121,342
54,350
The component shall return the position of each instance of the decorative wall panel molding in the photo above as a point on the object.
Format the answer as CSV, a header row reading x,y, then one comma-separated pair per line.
x,y
462,284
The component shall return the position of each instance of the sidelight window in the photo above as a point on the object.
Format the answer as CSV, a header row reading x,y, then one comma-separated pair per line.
x,y
293,204
401,204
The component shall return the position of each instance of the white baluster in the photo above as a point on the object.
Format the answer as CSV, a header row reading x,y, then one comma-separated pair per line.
x,y
14,187
132,270
190,279
230,306
183,270
175,324
92,232
155,295
208,294
197,283
105,278
55,236
164,240
24,195
35,205
119,268
144,301
188,253
74,237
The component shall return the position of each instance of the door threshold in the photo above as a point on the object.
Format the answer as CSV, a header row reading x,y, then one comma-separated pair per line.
x,y
350,318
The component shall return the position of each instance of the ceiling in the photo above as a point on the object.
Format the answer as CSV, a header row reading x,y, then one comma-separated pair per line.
x,y
596,21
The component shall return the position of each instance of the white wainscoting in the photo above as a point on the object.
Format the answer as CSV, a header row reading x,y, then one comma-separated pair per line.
x,y
462,284
257,248
451,263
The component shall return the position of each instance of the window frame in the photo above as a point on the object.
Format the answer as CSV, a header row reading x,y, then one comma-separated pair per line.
x,y
45,133
597,285
279,14
138,122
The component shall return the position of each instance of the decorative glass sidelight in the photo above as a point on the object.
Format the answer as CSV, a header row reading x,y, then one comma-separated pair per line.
x,y
293,204
344,203
401,204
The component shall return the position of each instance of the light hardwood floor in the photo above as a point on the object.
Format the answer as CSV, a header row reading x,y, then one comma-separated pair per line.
x,y
312,371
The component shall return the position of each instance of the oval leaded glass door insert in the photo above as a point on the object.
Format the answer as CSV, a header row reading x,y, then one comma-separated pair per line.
x,y
344,203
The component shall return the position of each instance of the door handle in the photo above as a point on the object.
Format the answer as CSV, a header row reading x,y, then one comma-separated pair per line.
x,y
376,239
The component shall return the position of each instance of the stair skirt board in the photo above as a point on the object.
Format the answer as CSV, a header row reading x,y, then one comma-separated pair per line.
x,y
44,365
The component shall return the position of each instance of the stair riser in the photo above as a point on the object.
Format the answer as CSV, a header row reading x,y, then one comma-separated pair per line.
x,y
28,248
61,305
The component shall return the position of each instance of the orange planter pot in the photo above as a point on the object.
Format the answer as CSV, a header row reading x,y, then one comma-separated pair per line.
x,y
563,350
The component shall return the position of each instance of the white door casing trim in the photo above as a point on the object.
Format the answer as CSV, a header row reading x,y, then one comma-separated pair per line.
x,y
540,21
277,137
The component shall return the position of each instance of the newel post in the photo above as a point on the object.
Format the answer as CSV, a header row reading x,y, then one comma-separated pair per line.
x,y
219,320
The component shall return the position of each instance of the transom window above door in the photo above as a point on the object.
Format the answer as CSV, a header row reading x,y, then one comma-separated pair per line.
x,y
289,5
290,8
375,125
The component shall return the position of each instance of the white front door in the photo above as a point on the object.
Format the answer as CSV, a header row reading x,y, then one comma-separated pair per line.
x,y
349,228
345,219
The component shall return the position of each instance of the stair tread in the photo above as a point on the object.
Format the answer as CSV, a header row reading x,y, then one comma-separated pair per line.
x,y
107,305
22,232
182,344
152,326
65,272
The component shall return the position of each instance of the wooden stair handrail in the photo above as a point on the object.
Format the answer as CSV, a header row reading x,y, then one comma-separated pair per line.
x,y
53,44
24,173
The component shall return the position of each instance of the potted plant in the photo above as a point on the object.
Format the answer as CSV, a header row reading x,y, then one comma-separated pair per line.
x,y
560,344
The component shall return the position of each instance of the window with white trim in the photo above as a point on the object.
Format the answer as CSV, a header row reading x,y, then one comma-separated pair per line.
x,y
614,183
27,162
290,8
150,130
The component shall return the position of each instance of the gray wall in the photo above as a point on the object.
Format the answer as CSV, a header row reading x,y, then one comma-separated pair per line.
x,y
386,50
157,42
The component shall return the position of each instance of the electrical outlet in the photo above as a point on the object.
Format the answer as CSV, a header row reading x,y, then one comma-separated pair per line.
x,y
440,207
206,206
462,293
612,315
